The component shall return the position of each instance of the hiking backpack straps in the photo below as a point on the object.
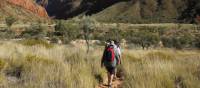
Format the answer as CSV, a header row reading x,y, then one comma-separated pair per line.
x,y
109,54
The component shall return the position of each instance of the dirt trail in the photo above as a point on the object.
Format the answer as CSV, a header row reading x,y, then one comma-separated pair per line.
x,y
117,83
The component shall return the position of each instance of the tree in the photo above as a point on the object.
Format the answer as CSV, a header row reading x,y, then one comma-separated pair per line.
x,y
88,26
143,38
67,31
10,20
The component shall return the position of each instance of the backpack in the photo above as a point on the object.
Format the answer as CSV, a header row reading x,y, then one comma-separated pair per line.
x,y
109,54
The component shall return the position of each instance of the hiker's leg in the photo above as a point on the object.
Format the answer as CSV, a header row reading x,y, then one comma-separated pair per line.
x,y
109,79
112,74
115,76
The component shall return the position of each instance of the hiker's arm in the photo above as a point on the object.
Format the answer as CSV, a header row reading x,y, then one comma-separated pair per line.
x,y
119,52
120,58
102,59
117,55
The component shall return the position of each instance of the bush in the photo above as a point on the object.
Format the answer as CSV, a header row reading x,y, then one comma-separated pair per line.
x,y
167,41
10,20
54,39
197,41
36,31
143,38
178,41
114,34
67,31
7,34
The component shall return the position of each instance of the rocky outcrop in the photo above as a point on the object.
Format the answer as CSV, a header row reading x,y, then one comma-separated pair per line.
x,y
63,9
30,6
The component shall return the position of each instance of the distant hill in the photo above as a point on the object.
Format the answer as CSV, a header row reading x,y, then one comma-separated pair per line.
x,y
22,10
135,11
123,11
142,11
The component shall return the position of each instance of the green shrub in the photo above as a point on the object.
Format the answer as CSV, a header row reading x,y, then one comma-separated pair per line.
x,y
197,41
7,34
143,38
54,39
167,41
10,20
67,31
36,31
178,41
114,34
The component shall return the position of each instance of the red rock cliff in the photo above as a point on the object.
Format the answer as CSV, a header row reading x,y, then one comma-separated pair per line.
x,y
31,6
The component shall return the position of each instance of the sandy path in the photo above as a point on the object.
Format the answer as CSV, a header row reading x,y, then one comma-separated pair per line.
x,y
116,84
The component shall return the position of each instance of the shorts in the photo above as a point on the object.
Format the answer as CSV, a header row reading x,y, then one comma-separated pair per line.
x,y
111,70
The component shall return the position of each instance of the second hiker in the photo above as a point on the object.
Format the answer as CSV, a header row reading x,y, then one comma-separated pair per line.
x,y
110,60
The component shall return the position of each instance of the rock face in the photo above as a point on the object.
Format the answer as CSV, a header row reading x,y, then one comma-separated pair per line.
x,y
30,6
63,9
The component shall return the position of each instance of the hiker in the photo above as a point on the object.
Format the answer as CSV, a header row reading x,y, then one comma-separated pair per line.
x,y
119,55
110,60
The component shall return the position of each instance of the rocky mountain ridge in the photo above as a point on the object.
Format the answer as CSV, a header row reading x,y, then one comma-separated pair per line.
x,y
22,10
31,6
139,11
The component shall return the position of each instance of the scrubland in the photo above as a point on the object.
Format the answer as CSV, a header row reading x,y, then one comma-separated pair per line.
x,y
67,66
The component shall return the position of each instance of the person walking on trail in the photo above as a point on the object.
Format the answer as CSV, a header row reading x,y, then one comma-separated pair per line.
x,y
119,56
109,60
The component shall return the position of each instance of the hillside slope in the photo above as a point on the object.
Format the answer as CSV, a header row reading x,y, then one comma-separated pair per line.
x,y
151,11
134,11
22,10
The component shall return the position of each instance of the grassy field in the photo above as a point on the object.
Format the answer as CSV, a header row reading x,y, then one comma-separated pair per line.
x,y
65,66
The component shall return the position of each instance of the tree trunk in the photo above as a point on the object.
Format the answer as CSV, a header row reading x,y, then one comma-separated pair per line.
x,y
87,42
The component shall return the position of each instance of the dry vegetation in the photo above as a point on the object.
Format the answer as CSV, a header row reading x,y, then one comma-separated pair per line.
x,y
162,69
65,66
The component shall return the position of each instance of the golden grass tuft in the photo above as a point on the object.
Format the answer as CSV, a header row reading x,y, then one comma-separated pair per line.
x,y
2,64
32,42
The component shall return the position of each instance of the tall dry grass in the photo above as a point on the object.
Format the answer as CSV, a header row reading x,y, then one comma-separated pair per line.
x,y
65,66
162,69
40,67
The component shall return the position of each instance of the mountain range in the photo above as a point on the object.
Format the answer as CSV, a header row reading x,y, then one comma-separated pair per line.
x,y
133,11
